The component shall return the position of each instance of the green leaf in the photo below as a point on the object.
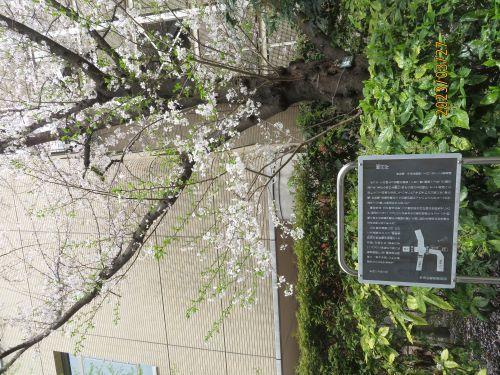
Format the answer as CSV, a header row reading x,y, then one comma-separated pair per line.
x,y
412,303
473,15
429,7
371,342
444,355
421,102
382,340
482,372
421,305
377,6
491,97
494,151
415,319
443,146
438,301
460,118
405,116
393,355
495,244
477,47
463,193
400,59
385,135
461,87
480,302
471,167
491,222
463,72
450,364
460,143
383,331
429,121
491,62
494,177
419,73
475,79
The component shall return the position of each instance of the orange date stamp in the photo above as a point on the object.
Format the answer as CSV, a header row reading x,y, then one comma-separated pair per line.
x,y
440,74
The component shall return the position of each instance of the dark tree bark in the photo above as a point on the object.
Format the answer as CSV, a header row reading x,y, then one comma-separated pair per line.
x,y
300,81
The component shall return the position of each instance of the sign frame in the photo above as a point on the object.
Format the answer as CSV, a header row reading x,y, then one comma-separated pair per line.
x,y
454,156
345,267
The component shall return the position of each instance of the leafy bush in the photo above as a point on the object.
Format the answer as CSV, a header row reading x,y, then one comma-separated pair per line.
x,y
346,327
327,330
399,114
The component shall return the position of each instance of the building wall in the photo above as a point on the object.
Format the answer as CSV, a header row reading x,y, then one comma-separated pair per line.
x,y
152,328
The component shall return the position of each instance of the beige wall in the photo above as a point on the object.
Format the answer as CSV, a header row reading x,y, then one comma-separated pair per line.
x,y
152,328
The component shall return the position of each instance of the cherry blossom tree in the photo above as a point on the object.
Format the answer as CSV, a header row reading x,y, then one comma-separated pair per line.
x,y
74,70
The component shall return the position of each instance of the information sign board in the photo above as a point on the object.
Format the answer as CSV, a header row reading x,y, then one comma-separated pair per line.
x,y
408,219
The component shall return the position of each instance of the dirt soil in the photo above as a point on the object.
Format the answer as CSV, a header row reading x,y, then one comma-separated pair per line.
x,y
485,333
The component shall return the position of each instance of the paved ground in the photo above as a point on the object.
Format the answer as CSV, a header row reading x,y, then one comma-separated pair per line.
x,y
287,266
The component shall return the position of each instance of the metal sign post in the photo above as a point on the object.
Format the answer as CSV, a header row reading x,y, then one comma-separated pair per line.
x,y
408,219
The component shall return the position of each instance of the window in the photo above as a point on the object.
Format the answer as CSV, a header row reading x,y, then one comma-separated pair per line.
x,y
67,364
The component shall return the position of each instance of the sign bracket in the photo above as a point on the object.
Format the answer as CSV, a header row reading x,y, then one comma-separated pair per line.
x,y
344,266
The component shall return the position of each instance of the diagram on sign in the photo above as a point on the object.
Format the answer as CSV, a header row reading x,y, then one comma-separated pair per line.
x,y
423,250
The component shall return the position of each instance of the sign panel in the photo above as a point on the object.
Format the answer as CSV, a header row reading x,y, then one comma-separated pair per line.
x,y
408,219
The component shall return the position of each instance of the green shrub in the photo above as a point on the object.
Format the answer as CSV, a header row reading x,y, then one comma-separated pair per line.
x,y
349,328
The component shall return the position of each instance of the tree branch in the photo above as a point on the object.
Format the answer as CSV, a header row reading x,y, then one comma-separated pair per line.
x,y
307,141
318,38
86,153
78,107
317,80
100,40
108,272
59,50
